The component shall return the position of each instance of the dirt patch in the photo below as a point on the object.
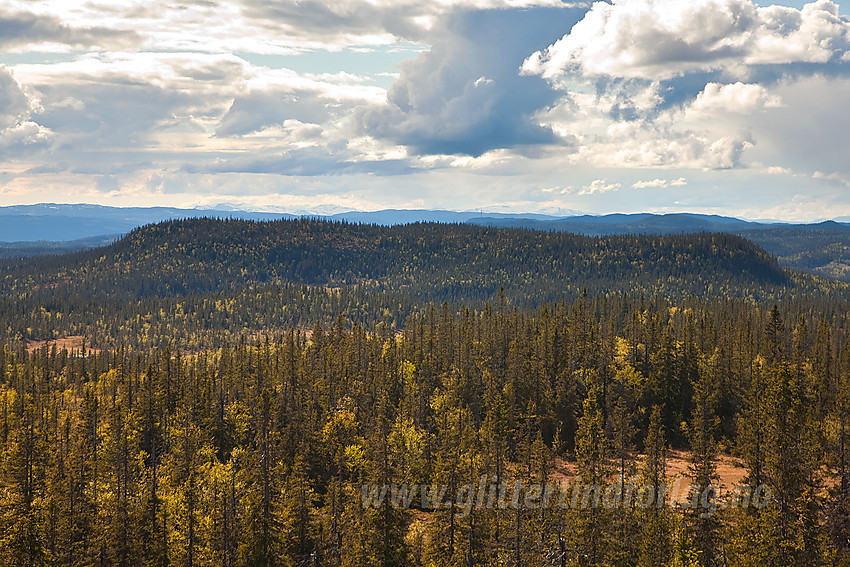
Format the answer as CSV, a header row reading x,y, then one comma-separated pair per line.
x,y
729,471
73,343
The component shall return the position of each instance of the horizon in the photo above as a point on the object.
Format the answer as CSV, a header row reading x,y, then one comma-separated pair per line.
x,y
730,108
483,212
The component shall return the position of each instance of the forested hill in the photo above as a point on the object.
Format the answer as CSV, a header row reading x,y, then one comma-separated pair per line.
x,y
426,261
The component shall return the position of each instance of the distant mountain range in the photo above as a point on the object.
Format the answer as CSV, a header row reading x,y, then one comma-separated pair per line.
x,y
640,223
820,248
62,223
53,222
391,217
649,223
28,248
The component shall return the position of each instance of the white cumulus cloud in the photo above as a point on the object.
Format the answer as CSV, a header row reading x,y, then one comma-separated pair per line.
x,y
654,184
17,130
599,186
737,98
662,39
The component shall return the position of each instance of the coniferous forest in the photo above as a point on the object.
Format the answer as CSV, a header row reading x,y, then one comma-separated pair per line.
x,y
234,393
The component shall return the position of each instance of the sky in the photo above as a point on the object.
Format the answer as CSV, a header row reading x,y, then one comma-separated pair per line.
x,y
710,106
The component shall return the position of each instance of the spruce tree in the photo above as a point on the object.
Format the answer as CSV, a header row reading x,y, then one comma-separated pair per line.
x,y
592,457
23,540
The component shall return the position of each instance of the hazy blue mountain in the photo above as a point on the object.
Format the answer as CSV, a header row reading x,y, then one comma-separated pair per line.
x,y
54,222
390,217
640,223
51,222
59,222
27,248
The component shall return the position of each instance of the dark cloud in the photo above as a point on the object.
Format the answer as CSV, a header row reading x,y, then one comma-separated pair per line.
x,y
18,133
14,104
811,129
306,162
118,103
465,95
119,112
25,28
47,168
319,19
256,110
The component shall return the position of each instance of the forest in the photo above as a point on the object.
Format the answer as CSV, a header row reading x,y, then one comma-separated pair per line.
x,y
239,392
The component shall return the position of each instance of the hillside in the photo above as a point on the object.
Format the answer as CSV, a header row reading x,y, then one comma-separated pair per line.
x,y
205,281
821,248
430,262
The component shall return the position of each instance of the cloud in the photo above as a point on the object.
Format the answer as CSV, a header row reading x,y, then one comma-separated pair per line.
x,y
834,177
25,29
779,170
660,183
17,131
725,153
809,132
352,22
114,113
666,143
125,100
14,104
465,95
249,26
312,161
286,95
737,98
654,184
664,83
663,39
599,186
197,104
375,22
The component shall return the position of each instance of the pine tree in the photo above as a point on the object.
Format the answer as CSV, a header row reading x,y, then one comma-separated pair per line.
x,y
663,388
655,540
592,457
298,526
386,524
701,520
82,509
774,331
790,469
259,544
753,424
119,539
23,540
838,515
625,529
